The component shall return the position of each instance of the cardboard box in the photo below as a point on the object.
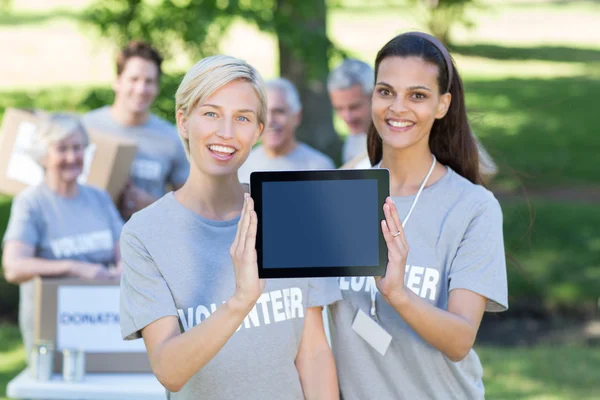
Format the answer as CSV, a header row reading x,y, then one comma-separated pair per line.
x,y
107,160
74,313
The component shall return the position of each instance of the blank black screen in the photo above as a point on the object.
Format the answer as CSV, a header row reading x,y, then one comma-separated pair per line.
x,y
322,223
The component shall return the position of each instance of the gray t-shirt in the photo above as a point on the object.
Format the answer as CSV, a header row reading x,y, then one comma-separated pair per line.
x,y
303,157
84,228
354,146
455,239
177,263
160,158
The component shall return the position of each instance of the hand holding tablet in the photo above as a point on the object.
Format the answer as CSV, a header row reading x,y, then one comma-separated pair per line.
x,y
248,285
320,223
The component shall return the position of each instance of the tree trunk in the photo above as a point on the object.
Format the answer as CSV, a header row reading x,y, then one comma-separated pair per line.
x,y
301,28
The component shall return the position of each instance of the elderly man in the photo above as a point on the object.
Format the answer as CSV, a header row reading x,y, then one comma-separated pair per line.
x,y
280,150
350,87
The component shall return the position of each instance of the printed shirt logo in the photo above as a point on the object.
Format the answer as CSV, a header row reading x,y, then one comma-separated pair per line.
x,y
146,169
272,307
422,281
70,246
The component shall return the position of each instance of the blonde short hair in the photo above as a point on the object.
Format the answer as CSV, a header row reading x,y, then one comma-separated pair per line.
x,y
54,128
209,75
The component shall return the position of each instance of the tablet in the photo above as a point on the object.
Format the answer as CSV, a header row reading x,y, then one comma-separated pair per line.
x,y
320,223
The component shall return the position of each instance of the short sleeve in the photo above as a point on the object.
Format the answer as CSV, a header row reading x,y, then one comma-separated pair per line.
x,y
323,291
480,264
24,223
180,168
145,296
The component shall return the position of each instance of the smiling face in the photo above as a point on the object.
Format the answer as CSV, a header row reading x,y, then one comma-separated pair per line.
x,y
64,158
222,129
282,122
406,101
137,85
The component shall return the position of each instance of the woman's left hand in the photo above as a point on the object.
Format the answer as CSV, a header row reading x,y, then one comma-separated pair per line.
x,y
392,284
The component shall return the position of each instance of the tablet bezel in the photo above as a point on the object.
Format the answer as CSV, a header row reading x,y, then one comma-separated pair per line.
x,y
383,189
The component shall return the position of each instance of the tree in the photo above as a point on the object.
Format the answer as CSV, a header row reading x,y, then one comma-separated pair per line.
x,y
197,26
439,16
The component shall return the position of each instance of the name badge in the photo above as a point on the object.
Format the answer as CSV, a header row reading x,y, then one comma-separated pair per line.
x,y
371,332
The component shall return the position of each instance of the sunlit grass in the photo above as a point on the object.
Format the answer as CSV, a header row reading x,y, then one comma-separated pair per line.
x,y
553,243
559,373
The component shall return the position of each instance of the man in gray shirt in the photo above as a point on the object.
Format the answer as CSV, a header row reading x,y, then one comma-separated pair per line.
x,y
160,160
350,87
280,151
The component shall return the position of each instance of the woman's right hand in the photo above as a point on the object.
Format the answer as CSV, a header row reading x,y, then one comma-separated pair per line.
x,y
248,287
90,271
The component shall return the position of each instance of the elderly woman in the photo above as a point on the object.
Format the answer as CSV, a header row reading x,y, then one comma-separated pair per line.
x,y
59,227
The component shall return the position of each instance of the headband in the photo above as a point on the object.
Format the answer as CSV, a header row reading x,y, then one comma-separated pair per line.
x,y
442,50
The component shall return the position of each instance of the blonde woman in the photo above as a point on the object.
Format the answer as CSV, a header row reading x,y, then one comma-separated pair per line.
x,y
59,227
190,283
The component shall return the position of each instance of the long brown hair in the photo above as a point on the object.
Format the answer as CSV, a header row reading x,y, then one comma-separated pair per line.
x,y
450,140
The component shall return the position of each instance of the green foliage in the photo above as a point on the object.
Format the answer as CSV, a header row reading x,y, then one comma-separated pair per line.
x,y
439,16
5,5
9,294
197,26
12,356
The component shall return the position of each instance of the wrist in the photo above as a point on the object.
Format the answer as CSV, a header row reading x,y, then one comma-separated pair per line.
x,y
240,303
69,267
399,299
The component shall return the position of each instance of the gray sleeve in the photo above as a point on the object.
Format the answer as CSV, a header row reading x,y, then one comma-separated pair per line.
x,y
480,264
327,163
180,170
24,222
145,296
323,291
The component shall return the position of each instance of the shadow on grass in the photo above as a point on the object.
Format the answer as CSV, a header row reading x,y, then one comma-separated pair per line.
x,y
542,53
539,131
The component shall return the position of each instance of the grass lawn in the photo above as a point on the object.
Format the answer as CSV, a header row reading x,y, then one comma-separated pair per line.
x,y
557,246
541,373
12,357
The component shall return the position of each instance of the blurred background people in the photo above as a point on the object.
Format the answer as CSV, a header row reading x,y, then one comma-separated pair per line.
x,y
350,86
59,227
160,160
280,150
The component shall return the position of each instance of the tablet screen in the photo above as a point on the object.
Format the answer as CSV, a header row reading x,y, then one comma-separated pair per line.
x,y
325,223
320,223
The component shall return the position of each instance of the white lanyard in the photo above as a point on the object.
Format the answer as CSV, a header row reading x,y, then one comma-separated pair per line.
x,y
404,221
